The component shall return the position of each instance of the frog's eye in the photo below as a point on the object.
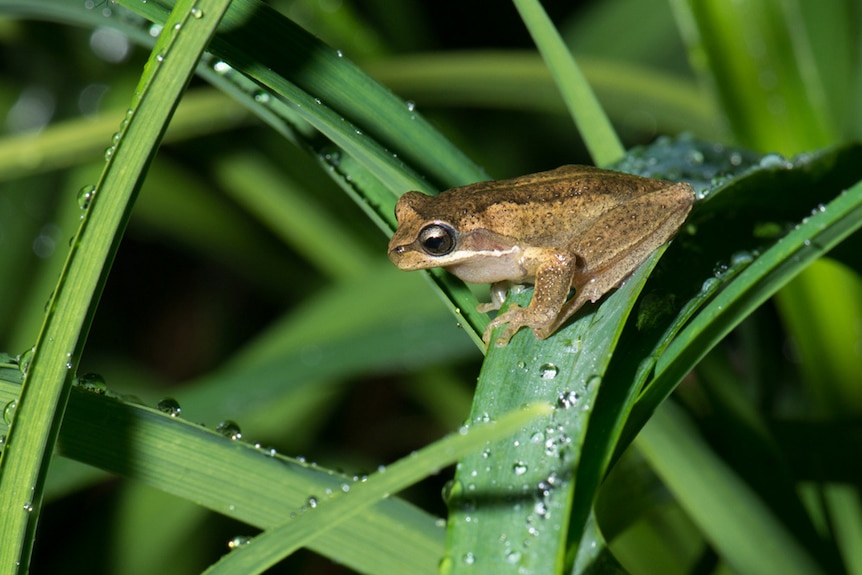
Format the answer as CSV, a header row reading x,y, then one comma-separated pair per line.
x,y
437,239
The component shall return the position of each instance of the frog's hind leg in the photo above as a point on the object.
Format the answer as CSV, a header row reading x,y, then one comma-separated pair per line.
x,y
634,232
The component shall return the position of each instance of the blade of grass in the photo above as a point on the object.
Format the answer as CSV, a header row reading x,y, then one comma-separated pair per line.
x,y
515,80
719,501
757,59
592,122
510,503
827,350
763,191
765,275
36,424
272,546
69,143
323,87
238,480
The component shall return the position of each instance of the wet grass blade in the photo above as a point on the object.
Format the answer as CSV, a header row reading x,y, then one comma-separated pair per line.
x,y
268,548
48,379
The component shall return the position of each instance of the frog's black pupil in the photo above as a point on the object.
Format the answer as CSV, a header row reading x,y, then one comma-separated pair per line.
x,y
437,239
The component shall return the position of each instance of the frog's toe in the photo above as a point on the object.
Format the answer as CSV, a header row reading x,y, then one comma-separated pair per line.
x,y
486,307
512,318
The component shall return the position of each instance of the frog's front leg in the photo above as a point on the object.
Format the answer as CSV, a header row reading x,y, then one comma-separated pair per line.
x,y
553,280
499,291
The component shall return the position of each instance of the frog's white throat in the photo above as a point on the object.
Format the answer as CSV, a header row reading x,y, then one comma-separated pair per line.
x,y
486,266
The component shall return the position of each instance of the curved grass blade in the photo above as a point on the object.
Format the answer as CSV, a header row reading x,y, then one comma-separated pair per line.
x,y
270,547
48,378
719,501
765,275
766,190
510,503
238,480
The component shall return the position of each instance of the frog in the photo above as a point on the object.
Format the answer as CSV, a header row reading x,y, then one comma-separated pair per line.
x,y
574,233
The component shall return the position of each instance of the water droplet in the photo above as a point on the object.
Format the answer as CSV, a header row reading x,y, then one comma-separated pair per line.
x,y
541,510
520,468
568,399
92,382
170,406
28,507
339,53
221,67
573,346
331,156
741,259
549,371
709,284
266,450
197,13
311,502
85,196
25,359
229,429
773,161
411,106
261,97
469,558
238,541
109,152
9,411
345,487
513,557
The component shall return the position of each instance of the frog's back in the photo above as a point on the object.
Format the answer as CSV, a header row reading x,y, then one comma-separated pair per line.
x,y
547,206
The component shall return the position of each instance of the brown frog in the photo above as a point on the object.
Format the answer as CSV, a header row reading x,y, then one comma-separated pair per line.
x,y
576,227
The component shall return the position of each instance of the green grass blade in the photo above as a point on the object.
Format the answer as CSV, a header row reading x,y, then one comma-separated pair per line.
x,y
66,144
593,124
824,333
324,88
510,504
719,501
237,480
765,275
516,80
39,413
268,548
767,191
756,57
